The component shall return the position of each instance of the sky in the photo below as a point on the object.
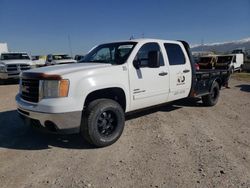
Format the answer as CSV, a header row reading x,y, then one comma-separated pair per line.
x,y
61,26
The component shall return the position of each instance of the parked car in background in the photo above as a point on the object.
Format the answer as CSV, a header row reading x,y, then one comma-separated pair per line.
x,y
233,62
238,61
56,59
246,54
13,63
39,60
79,57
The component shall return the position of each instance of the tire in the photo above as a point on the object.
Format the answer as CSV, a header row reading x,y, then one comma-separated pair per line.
x,y
212,98
103,122
2,82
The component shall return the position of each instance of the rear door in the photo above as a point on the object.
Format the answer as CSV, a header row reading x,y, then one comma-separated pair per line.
x,y
148,86
179,70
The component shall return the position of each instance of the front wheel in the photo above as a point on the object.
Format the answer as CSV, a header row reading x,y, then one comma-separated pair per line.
x,y
103,122
212,98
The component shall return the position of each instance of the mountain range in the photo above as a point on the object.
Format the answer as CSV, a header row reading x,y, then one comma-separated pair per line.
x,y
224,46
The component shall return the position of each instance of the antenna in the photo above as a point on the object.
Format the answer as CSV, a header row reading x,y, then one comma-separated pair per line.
x,y
70,48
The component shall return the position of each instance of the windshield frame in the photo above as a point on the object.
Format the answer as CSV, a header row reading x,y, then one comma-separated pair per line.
x,y
115,46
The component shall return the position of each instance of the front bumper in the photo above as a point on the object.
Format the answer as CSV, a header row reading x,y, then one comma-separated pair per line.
x,y
66,123
8,75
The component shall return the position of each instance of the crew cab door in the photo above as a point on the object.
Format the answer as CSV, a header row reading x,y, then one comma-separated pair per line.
x,y
149,83
179,70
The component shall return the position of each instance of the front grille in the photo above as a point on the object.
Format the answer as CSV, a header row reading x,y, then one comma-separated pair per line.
x,y
18,67
30,90
24,67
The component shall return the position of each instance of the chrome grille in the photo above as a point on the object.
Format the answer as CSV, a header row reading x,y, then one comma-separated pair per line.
x,y
18,67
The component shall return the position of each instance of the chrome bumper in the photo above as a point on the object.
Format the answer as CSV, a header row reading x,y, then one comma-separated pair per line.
x,y
7,75
56,122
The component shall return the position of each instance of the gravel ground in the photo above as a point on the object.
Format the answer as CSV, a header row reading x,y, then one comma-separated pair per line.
x,y
182,144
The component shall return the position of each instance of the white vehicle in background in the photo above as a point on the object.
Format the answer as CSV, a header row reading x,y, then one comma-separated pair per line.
x,y
246,57
39,60
56,59
237,63
13,63
3,48
232,62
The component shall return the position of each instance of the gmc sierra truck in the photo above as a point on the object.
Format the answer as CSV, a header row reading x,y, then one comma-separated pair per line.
x,y
92,97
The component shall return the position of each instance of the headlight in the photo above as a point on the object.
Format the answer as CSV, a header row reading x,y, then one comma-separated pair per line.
x,y
54,88
2,67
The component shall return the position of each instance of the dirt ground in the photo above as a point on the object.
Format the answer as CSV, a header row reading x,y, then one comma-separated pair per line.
x,y
182,144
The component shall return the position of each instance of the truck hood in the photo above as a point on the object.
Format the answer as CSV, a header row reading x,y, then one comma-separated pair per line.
x,y
69,68
16,61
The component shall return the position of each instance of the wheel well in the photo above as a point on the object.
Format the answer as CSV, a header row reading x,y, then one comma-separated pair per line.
x,y
114,93
219,81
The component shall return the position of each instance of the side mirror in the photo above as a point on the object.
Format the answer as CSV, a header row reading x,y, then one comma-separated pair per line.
x,y
137,63
154,59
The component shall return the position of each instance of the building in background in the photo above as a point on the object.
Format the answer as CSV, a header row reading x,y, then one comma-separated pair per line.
x,y
3,48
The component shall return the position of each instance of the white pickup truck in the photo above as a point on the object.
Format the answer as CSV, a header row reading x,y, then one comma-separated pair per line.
x,y
92,97
12,64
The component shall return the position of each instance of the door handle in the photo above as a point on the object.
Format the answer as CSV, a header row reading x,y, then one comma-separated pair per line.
x,y
186,71
163,74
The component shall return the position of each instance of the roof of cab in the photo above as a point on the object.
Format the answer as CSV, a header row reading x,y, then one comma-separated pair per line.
x,y
148,40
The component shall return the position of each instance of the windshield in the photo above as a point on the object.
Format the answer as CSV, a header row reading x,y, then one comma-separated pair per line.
x,y
61,57
14,56
205,59
224,59
113,53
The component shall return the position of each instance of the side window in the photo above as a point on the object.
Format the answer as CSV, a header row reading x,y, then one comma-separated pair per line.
x,y
142,54
102,55
175,54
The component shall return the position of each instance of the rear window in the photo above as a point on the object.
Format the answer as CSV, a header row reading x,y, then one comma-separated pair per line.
x,y
14,56
175,54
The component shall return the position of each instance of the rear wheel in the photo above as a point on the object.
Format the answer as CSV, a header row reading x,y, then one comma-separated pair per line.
x,y
103,122
212,98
